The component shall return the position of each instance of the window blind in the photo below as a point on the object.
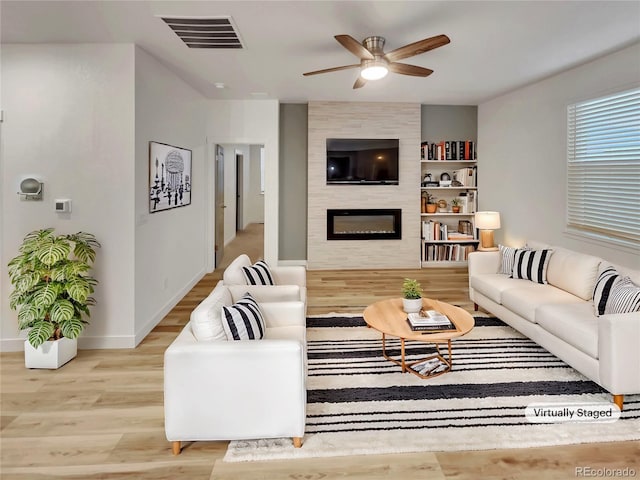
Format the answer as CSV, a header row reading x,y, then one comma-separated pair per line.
x,y
603,168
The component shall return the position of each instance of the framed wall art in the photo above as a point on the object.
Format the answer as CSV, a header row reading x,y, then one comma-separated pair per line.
x,y
169,177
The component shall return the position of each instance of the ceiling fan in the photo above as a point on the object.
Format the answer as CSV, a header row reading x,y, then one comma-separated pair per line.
x,y
375,64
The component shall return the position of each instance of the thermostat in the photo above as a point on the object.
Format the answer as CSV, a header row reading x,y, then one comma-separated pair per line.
x,y
63,205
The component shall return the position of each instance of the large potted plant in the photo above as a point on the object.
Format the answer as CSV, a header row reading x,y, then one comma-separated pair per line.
x,y
411,295
52,293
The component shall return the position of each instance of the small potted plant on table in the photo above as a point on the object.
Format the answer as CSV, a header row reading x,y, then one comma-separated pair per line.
x,y
411,295
52,294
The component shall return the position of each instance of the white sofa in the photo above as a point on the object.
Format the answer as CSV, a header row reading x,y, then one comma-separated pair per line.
x,y
219,389
290,281
560,315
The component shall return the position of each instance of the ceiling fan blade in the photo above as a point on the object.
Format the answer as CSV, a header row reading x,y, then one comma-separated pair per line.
x,y
417,48
354,46
360,82
413,70
334,69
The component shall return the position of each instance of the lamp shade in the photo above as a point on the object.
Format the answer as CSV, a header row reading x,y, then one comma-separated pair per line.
x,y
487,220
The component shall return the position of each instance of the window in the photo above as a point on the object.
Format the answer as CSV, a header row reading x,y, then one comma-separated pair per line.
x,y
603,168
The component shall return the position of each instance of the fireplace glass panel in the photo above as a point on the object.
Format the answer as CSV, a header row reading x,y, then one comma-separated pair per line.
x,y
363,224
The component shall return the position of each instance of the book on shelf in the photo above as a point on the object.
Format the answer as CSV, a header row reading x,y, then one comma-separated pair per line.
x,y
459,236
455,252
448,150
429,320
466,176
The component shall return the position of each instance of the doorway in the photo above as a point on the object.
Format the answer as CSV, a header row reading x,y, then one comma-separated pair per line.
x,y
239,191
219,206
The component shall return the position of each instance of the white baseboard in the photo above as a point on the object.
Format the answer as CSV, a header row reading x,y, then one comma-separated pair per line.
x,y
160,314
119,341
12,344
292,263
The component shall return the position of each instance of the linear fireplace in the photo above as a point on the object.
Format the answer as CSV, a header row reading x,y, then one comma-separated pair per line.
x,y
364,224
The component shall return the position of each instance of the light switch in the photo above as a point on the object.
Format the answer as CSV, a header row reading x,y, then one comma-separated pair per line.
x,y
63,205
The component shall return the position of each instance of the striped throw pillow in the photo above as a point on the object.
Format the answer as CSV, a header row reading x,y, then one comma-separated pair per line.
x,y
531,265
624,297
607,276
258,274
507,257
243,320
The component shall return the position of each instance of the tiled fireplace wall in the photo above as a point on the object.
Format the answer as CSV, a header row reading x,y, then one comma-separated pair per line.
x,y
363,120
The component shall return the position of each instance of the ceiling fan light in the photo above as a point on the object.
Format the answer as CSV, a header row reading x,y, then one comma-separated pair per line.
x,y
374,72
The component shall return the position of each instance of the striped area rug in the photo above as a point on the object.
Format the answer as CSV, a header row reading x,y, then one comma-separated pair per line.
x,y
360,403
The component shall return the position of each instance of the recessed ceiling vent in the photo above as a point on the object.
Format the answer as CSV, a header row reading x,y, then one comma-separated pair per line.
x,y
209,32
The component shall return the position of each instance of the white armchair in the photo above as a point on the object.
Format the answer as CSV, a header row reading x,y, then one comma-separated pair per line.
x,y
234,390
290,282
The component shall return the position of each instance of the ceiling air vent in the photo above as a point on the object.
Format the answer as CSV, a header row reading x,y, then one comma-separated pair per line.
x,y
209,32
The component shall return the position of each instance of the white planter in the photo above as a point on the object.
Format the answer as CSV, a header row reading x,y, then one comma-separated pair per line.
x,y
412,305
51,354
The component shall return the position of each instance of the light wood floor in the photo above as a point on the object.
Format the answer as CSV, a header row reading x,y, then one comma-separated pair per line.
x,y
101,415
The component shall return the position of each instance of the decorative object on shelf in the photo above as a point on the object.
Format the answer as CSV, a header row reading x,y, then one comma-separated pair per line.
x,y
442,205
431,203
411,295
31,189
52,293
426,180
465,227
455,205
445,180
487,222
169,177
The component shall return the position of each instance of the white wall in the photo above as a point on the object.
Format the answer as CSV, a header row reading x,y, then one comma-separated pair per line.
x,y
254,199
170,245
69,120
522,153
250,122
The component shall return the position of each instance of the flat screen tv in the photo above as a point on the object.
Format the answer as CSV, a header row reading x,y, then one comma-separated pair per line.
x,y
364,161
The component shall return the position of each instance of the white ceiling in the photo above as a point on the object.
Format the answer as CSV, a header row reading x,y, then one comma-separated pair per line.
x,y
496,46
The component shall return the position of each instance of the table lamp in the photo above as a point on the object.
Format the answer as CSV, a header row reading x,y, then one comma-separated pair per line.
x,y
487,222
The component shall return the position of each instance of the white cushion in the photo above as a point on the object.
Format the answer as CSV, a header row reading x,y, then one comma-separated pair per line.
x,y
574,323
206,322
573,272
233,274
525,299
492,285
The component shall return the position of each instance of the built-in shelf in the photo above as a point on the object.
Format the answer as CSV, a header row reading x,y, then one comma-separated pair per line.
x,y
442,264
438,225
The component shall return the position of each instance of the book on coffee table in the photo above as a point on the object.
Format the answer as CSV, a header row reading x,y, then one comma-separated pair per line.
x,y
429,320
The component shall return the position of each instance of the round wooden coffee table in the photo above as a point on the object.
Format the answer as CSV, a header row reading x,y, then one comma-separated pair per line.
x,y
388,317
